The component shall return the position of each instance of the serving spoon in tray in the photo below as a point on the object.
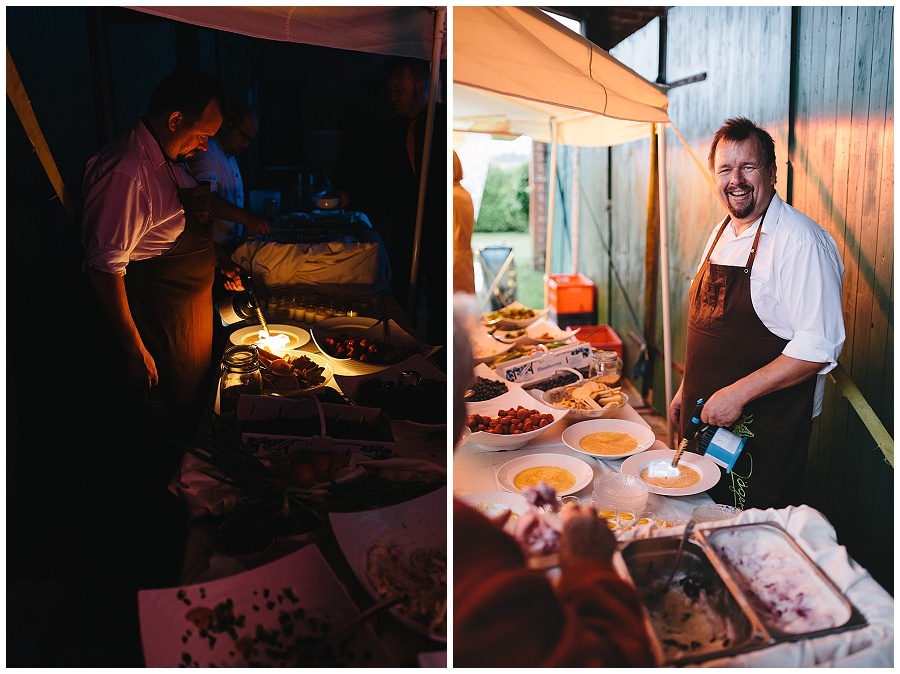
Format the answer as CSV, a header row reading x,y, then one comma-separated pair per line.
x,y
655,595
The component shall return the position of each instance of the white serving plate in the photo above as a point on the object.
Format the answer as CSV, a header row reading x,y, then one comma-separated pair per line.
x,y
583,472
492,503
356,326
709,472
318,359
512,324
644,435
485,348
415,524
350,384
250,335
578,413
511,399
539,332
167,635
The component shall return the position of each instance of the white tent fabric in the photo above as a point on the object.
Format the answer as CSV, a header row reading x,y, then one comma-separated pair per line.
x,y
417,32
394,31
480,111
521,52
517,71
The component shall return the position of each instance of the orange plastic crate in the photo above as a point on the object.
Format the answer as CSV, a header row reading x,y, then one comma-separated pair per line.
x,y
570,294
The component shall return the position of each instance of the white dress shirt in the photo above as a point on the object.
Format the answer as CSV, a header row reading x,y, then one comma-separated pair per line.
x,y
224,176
131,206
795,284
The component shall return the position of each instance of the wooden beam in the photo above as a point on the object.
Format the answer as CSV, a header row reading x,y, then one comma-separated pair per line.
x,y
22,105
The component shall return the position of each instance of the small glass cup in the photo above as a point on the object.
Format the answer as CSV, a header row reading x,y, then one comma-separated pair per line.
x,y
606,511
710,512
645,518
567,501
627,518
665,520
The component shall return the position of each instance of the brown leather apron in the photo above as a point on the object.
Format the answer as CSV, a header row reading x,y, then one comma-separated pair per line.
x,y
170,297
726,341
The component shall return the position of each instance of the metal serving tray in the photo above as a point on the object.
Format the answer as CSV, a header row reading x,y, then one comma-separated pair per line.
x,y
745,577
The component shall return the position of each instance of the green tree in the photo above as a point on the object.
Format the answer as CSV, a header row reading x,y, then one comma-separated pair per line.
x,y
504,204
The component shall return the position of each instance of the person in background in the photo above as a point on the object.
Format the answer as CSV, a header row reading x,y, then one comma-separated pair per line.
x,y
232,222
408,86
147,236
507,615
765,323
463,226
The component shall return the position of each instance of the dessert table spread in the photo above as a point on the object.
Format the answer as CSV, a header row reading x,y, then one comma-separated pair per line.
x,y
475,470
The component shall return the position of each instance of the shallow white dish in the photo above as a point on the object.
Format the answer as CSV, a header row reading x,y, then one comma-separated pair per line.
x,y
539,332
318,359
578,413
511,399
302,579
583,472
514,324
485,348
359,326
412,525
709,472
250,335
644,435
350,383
492,503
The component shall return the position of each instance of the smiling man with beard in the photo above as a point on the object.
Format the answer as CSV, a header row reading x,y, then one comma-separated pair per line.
x,y
765,323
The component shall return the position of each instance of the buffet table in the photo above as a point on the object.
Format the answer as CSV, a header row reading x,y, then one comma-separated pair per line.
x,y
316,564
475,470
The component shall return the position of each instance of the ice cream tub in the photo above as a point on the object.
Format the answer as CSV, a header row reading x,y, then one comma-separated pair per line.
x,y
790,594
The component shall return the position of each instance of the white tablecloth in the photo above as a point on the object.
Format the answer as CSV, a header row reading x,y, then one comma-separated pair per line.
x,y
475,470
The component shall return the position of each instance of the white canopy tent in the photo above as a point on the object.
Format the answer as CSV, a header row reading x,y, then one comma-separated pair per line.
x,y
517,71
417,32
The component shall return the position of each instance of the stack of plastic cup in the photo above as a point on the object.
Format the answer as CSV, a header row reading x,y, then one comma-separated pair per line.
x,y
624,494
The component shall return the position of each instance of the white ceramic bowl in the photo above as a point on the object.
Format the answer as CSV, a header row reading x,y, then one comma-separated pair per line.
x,y
350,385
510,399
358,326
643,435
318,359
485,348
511,323
250,335
552,397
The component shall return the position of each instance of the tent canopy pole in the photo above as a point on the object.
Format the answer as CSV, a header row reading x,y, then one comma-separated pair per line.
x,y
664,259
439,19
551,208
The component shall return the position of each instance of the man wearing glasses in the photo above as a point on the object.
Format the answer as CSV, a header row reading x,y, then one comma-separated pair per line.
x,y
231,221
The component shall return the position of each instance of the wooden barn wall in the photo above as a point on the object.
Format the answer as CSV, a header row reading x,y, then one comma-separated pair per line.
x,y
820,79
842,155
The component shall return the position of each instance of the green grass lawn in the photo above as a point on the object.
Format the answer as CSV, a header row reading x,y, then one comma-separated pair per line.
x,y
530,280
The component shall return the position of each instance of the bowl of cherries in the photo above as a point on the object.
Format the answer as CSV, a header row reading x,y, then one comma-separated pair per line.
x,y
357,345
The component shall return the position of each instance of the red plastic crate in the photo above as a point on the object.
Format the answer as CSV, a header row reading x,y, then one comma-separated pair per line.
x,y
600,337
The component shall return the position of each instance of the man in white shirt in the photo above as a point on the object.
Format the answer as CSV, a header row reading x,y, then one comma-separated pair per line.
x,y
218,165
765,323
148,249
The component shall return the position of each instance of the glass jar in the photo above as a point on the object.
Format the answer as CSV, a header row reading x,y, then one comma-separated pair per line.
x,y
240,374
606,367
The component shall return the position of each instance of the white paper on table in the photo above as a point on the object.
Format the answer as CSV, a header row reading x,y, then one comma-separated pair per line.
x,y
284,598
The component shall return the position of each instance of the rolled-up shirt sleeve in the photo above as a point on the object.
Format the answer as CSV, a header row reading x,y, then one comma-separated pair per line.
x,y
116,216
812,286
